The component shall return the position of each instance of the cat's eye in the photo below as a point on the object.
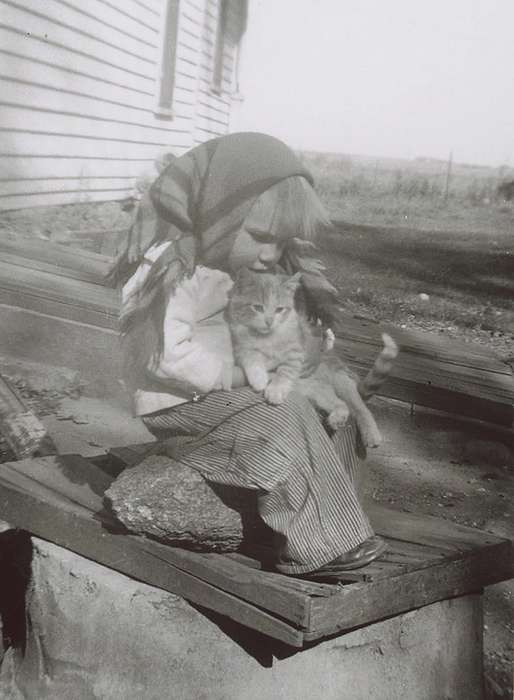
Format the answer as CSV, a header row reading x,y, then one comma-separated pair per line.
x,y
279,309
258,307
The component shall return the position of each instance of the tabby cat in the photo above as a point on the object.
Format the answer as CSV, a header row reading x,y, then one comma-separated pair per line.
x,y
270,335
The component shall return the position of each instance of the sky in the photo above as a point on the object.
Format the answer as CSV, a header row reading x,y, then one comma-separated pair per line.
x,y
393,78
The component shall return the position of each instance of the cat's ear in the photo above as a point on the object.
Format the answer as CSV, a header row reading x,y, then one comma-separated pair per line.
x,y
292,283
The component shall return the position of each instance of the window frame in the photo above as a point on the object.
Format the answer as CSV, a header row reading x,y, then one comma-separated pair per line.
x,y
164,108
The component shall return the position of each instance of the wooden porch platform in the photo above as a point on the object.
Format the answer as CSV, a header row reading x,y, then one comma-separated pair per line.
x,y
460,378
60,499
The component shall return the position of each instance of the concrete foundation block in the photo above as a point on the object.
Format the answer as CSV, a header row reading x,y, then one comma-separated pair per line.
x,y
98,635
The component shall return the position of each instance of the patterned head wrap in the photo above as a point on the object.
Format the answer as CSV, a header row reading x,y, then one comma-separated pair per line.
x,y
201,200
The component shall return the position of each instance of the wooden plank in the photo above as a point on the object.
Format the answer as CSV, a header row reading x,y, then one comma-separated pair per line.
x,y
82,264
13,202
46,144
137,58
69,124
362,603
31,186
100,104
428,530
433,345
43,512
26,167
150,17
132,558
496,376
77,481
93,276
486,393
130,20
59,309
98,29
61,289
433,377
58,56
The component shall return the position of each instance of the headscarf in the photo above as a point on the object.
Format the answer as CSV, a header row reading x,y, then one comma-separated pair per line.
x,y
201,200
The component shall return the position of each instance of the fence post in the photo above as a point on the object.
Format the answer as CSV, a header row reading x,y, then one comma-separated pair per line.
x,y
448,176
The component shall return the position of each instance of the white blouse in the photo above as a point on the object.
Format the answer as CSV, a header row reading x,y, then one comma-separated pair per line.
x,y
197,356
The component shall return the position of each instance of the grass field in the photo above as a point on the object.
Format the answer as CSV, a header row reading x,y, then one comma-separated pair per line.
x,y
399,236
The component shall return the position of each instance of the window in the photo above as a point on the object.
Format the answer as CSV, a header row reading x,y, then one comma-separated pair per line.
x,y
164,107
221,35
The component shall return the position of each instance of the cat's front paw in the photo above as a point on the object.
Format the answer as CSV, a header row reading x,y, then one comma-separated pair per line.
x,y
371,436
277,391
338,417
258,378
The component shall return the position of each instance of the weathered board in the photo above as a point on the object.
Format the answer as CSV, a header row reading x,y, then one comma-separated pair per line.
x,y
57,259
61,499
431,371
59,296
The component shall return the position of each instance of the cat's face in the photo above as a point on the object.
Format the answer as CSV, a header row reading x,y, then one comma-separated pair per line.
x,y
262,301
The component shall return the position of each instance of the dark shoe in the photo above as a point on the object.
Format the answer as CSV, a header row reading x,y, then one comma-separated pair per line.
x,y
359,556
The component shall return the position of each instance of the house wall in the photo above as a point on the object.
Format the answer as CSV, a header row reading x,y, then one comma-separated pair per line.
x,y
212,107
79,85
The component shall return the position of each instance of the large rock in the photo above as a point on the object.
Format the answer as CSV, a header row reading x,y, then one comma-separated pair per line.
x,y
161,498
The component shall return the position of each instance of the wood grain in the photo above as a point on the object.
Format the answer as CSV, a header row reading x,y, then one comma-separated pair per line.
x,y
362,603
45,510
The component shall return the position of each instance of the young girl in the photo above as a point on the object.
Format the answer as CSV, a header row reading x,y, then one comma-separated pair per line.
x,y
242,200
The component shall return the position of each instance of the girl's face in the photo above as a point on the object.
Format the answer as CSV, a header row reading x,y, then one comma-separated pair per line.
x,y
258,250
256,245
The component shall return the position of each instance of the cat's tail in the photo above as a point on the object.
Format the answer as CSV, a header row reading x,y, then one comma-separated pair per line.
x,y
381,369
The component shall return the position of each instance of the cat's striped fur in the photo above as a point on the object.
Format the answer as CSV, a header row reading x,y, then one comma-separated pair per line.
x,y
269,335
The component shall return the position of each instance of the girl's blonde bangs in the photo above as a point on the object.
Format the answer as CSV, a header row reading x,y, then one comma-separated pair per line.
x,y
299,212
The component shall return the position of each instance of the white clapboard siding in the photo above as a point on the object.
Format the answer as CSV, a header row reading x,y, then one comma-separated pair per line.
x,y
73,62
81,20
213,106
16,118
59,80
43,144
44,28
54,198
124,16
33,95
28,168
79,88
44,185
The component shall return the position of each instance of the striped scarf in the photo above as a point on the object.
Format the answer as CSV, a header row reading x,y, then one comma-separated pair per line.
x,y
201,200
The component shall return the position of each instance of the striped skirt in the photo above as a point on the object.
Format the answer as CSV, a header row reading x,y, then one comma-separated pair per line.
x,y
304,480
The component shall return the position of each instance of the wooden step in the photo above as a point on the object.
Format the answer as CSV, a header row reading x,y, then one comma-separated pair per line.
x,y
60,499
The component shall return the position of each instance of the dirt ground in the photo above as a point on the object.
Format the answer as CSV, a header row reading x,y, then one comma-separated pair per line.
x,y
429,463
